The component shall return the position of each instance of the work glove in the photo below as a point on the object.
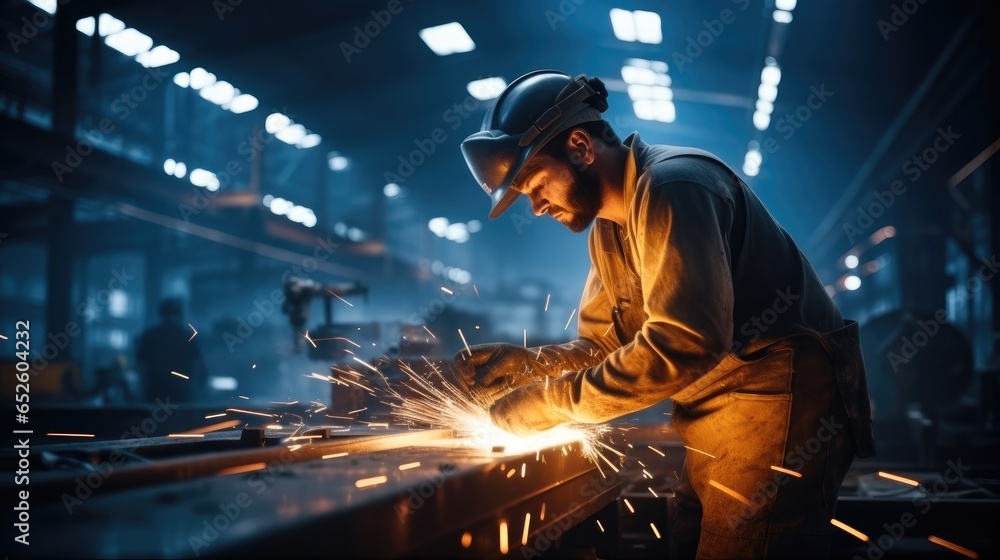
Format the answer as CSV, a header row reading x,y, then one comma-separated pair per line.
x,y
527,410
496,369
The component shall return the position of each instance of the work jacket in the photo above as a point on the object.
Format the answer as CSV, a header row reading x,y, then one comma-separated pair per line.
x,y
688,295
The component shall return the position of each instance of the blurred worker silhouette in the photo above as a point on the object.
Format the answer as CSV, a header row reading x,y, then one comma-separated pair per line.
x,y
167,347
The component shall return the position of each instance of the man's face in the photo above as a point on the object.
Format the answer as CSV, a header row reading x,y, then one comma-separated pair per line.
x,y
555,187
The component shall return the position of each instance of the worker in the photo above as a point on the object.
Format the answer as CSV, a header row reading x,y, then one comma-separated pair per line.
x,y
696,295
166,350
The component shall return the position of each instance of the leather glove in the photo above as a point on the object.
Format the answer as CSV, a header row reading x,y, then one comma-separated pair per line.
x,y
496,369
526,411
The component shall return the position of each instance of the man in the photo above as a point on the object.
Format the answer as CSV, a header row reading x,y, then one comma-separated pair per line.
x,y
695,294
168,347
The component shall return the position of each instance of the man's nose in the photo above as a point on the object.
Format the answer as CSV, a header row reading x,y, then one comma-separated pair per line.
x,y
537,206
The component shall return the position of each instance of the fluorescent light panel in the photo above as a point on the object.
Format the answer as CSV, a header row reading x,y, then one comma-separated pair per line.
x,y
450,38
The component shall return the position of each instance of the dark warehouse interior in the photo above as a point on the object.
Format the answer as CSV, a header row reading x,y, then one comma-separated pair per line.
x,y
242,255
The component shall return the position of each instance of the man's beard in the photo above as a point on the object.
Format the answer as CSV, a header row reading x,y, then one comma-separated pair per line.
x,y
586,202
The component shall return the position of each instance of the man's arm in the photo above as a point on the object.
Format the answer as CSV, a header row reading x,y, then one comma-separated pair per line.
x,y
500,368
681,233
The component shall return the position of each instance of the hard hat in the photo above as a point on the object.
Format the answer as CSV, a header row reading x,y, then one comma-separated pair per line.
x,y
531,111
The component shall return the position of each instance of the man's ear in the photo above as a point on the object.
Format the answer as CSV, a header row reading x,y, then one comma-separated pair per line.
x,y
580,147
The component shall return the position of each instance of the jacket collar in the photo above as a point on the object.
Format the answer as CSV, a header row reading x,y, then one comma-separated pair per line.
x,y
637,150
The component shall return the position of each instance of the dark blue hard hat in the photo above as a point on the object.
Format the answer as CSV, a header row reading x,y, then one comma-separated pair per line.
x,y
531,111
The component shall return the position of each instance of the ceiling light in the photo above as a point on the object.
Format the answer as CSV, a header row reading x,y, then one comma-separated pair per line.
x,y
291,133
639,25
450,38
767,92
159,56
243,103
86,26
770,75
486,88
337,162
761,120
108,24
129,42
274,122
781,16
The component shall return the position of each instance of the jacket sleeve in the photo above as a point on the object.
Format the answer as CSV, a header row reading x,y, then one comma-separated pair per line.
x,y
680,231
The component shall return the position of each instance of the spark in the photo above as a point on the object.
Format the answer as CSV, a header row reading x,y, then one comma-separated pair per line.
x,y
541,516
61,434
646,474
547,296
911,482
446,290
524,467
953,546
571,315
320,409
655,531
359,385
295,447
310,340
242,397
611,449
195,332
525,338
253,366
274,426
373,481
629,505
465,342
527,523
466,539
653,492
849,529
510,473
610,464
504,545
186,435
366,364
432,401
733,493
213,427
358,410
289,403
660,453
3,336
334,455
786,471
607,330
374,425
250,412
345,339
408,466
308,437
699,451
429,332
599,526
242,469
215,415
341,299
475,289
181,375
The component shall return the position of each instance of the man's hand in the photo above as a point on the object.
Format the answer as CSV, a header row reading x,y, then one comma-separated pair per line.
x,y
526,411
496,369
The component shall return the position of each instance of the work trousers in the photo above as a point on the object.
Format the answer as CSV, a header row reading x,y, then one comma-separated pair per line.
x,y
779,408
